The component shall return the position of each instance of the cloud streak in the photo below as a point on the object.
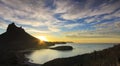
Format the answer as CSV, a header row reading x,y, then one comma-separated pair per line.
x,y
96,18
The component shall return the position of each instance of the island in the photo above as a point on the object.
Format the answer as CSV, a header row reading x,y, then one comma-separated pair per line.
x,y
63,48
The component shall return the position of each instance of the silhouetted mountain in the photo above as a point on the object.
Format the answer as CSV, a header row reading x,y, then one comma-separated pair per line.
x,y
106,57
16,38
12,44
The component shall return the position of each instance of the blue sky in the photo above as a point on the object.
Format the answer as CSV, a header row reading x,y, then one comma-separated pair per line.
x,y
66,18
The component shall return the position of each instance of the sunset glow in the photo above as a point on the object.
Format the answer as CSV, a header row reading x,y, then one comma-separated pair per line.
x,y
43,38
64,20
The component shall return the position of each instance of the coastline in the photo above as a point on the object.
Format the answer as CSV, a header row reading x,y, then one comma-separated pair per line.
x,y
106,57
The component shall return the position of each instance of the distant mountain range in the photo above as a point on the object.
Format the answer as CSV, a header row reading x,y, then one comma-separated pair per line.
x,y
16,38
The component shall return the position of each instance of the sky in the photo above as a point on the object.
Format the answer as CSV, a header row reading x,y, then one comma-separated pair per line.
x,y
85,21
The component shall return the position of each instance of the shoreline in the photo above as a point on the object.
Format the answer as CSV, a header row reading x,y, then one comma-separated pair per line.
x,y
106,57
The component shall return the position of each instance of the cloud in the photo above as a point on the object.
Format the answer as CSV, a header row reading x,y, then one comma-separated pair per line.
x,y
103,30
27,12
54,29
3,25
37,31
60,15
69,26
85,8
93,19
116,14
92,34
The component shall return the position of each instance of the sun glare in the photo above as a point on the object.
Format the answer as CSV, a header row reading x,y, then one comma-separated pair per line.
x,y
43,38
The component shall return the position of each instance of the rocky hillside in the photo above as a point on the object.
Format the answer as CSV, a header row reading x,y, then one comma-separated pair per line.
x,y
16,38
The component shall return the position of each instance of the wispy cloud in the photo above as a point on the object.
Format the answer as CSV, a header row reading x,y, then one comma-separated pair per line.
x,y
26,12
3,25
69,26
95,17
85,8
103,30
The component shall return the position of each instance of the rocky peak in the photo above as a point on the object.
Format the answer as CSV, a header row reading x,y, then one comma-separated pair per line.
x,y
13,28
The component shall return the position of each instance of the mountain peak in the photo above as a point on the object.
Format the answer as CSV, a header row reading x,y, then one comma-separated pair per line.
x,y
13,28
16,38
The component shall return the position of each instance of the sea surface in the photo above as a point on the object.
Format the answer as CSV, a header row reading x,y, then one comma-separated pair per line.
x,y
44,55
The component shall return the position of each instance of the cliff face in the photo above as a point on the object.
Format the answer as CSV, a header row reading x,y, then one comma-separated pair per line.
x,y
106,57
16,38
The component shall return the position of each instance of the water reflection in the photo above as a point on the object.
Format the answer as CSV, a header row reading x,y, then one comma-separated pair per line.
x,y
44,55
41,56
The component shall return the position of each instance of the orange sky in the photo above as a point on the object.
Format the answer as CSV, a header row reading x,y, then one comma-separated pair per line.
x,y
80,40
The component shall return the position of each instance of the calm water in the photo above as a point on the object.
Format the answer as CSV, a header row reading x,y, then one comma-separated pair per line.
x,y
44,55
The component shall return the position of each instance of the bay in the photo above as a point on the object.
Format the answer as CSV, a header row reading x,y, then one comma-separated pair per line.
x,y
44,55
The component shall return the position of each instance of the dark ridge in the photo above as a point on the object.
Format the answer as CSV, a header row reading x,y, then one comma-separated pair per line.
x,y
13,44
16,38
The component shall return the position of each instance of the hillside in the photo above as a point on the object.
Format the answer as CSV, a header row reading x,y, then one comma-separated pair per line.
x,y
16,38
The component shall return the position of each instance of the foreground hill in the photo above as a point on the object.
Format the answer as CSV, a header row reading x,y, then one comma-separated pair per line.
x,y
106,57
